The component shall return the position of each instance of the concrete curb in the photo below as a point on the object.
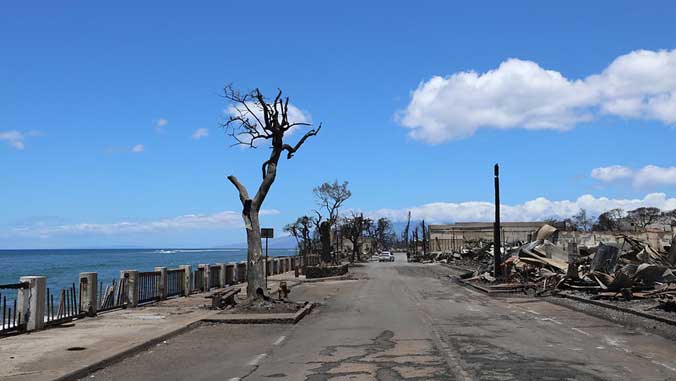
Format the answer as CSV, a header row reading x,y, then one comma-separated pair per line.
x,y
631,318
517,292
616,314
288,318
85,371
338,277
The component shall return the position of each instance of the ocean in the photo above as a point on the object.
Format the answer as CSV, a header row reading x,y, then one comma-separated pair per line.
x,y
62,267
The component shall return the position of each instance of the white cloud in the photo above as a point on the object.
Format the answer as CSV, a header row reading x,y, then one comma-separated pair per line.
x,y
654,175
295,115
649,175
533,210
13,138
137,148
522,94
16,138
612,173
226,219
200,133
160,124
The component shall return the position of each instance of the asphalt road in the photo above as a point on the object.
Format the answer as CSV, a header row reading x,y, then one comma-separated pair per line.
x,y
401,321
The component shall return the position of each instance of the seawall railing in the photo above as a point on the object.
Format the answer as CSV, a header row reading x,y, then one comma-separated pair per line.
x,y
113,296
30,305
11,319
67,308
148,286
175,282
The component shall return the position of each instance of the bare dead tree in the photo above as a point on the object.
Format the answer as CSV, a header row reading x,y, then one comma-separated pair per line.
x,y
330,197
354,229
254,120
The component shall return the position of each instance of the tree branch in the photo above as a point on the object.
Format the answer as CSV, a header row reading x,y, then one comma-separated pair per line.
x,y
292,150
243,194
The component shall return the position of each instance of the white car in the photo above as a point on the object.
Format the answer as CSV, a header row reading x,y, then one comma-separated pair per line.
x,y
386,256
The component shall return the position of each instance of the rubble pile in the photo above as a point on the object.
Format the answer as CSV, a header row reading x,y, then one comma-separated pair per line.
x,y
627,270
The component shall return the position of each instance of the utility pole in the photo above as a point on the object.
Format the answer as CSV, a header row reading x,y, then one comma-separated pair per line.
x,y
496,224
424,238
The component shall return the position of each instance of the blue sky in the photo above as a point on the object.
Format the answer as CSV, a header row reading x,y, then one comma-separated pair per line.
x,y
82,85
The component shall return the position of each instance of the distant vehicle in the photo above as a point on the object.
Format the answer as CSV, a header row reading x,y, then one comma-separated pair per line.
x,y
386,256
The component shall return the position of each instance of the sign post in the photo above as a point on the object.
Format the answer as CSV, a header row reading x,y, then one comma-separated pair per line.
x,y
267,233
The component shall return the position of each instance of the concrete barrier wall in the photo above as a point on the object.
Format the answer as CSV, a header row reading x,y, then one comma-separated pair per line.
x,y
241,272
230,274
30,304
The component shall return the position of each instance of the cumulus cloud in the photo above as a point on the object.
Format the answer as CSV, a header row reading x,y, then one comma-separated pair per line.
x,y
137,148
654,175
522,94
200,133
17,139
295,115
226,219
533,210
612,173
650,175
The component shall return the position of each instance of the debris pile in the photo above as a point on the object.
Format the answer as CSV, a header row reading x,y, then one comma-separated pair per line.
x,y
627,270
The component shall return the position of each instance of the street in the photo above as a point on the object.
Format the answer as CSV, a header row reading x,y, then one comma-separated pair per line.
x,y
406,321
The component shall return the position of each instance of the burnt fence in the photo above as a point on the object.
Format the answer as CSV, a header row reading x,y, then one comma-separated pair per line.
x,y
67,307
11,318
112,296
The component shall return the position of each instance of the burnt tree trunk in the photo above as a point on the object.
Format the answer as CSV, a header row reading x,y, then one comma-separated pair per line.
x,y
248,127
355,251
255,269
325,237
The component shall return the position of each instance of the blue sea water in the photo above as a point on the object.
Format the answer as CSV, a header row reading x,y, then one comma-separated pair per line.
x,y
62,267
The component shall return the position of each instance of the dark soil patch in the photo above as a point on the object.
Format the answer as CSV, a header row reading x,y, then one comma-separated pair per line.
x,y
312,272
268,307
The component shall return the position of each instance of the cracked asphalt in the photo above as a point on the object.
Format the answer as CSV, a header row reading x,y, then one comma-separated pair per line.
x,y
401,321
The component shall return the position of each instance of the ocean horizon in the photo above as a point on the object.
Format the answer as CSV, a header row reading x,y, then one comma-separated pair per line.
x,y
63,266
